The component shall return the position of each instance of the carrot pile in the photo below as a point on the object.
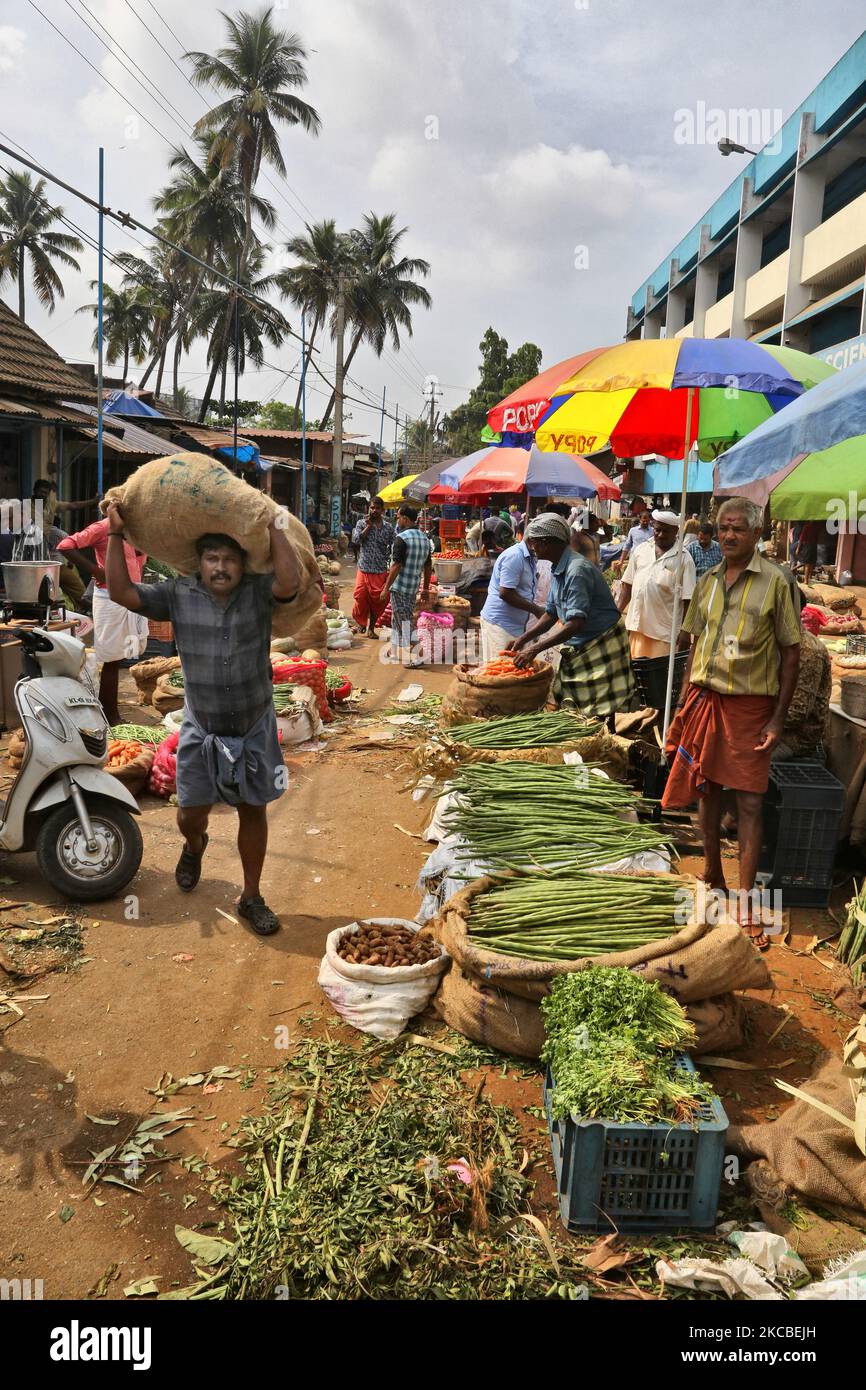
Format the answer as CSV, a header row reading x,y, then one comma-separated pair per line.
x,y
123,751
504,666
450,555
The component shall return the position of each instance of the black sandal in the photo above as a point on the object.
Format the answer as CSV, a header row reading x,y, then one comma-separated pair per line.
x,y
188,871
259,915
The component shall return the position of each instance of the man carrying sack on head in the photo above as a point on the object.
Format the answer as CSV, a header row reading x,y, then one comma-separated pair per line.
x,y
228,750
594,673
738,684
648,588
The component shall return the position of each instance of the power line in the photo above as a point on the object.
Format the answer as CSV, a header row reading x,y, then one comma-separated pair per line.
x,y
156,98
185,75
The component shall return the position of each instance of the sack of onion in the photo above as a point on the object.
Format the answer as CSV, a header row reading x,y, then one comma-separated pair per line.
x,y
380,972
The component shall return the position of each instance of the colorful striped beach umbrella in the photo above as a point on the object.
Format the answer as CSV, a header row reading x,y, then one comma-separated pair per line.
x,y
658,396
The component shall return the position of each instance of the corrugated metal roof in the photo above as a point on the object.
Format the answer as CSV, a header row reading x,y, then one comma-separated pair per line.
x,y
48,412
123,437
211,439
313,436
29,366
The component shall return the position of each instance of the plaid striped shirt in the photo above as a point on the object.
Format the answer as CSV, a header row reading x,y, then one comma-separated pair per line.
x,y
705,557
741,629
224,649
412,550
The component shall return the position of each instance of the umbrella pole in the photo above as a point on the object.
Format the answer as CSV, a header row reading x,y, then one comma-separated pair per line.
x,y
678,584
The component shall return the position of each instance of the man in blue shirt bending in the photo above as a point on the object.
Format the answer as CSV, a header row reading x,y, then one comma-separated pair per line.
x,y
594,674
510,600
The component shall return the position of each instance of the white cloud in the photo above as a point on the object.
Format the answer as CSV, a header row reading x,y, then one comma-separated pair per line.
x,y
11,47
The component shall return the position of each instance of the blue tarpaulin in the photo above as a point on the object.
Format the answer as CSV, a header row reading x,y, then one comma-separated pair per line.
x,y
122,403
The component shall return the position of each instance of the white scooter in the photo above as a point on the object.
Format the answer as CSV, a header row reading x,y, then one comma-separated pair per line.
x,y
62,804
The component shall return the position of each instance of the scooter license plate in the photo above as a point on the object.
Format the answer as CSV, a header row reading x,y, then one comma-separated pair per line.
x,y
75,701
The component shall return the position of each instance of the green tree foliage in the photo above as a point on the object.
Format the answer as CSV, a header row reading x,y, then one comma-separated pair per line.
x,y
500,373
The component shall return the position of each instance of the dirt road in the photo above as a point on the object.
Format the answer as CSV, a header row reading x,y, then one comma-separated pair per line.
x,y
170,984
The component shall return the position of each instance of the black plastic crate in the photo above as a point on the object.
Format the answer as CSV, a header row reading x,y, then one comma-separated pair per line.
x,y
651,678
638,1178
802,811
157,648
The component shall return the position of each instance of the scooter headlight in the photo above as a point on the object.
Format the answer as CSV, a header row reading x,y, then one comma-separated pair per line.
x,y
48,719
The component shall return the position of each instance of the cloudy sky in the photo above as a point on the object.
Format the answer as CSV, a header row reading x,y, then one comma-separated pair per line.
x,y
528,145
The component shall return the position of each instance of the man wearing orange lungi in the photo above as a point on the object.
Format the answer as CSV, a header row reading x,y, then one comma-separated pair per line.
x,y
738,683
374,537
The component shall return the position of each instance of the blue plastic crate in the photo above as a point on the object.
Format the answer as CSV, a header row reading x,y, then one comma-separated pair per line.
x,y
638,1178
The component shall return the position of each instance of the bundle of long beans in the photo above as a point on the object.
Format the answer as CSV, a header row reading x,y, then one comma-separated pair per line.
x,y
540,730
571,914
284,693
851,949
518,814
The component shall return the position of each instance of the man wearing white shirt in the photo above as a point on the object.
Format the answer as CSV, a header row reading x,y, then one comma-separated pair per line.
x,y
647,589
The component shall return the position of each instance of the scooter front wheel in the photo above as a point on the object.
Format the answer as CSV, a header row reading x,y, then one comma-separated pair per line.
x,y
86,874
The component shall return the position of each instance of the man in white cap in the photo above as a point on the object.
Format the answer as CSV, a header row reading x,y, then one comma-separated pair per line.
x,y
648,586
594,673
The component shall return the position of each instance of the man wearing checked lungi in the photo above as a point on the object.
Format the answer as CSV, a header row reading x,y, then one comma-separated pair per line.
x,y
738,684
594,673
228,749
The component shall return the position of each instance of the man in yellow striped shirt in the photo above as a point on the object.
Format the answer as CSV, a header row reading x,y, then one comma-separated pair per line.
x,y
738,683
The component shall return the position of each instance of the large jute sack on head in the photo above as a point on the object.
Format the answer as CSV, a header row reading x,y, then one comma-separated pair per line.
x,y
494,999
169,502
484,697
147,673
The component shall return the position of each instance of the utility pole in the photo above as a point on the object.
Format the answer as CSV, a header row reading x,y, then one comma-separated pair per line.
x,y
99,332
237,340
381,433
337,456
396,425
432,392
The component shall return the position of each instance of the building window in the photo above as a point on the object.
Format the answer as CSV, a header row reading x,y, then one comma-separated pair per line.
x,y
775,242
844,189
726,282
837,325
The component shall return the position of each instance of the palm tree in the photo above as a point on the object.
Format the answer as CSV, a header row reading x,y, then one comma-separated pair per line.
x,y
258,323
201,207
125,324
258,67
383,289
311,285
160,284
26,219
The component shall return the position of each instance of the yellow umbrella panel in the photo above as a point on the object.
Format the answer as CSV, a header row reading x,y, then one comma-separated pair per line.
x,y
392,493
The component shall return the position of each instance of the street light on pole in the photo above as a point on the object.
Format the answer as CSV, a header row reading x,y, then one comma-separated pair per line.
x,y
727,147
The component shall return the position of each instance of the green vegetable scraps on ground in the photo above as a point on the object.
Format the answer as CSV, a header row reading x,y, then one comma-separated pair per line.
x,y
610,1037
572,913
511,814
346,1191
851,949
540,730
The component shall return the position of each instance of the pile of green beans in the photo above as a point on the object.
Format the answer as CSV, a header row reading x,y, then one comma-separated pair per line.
x,y
568,915
513,815
539,730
